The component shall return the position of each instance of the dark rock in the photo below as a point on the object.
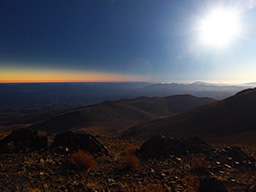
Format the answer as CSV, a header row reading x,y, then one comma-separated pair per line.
x,y
23,140
212,185
2,146
76,141
195,145
159,146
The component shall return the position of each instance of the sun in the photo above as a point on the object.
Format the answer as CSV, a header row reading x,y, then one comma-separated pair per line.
x,y
219,28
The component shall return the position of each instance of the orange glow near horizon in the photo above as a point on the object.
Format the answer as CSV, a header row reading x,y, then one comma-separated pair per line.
x,y
53,76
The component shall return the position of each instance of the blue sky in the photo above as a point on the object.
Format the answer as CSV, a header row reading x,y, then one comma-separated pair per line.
x,y
128,40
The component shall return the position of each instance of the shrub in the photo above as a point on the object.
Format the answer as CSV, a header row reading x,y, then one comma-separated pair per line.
x,y
130,150
149,187
191,183
41,133
199,163
82,159
131,162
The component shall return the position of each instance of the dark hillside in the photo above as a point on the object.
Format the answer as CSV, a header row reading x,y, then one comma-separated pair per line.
x,y
113,116
234,115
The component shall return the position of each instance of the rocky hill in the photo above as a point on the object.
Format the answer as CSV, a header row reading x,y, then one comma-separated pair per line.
x,y
112,116
229,119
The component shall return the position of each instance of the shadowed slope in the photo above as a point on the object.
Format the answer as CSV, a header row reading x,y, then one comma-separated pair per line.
x,y
113,116
234,115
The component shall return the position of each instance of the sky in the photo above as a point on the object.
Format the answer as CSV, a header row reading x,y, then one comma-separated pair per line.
x,y
122,41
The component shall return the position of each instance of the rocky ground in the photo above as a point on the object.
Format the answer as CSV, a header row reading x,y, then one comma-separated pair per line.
x,y
52,170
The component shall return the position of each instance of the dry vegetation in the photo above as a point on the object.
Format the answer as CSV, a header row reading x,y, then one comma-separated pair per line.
x,y
130,160
157,187
4,133
191,183
41,133
198,163
82,159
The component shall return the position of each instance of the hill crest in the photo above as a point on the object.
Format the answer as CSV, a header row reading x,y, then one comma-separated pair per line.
x,y
216,121
114,116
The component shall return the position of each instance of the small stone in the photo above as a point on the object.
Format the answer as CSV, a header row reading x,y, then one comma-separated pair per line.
x,y
252,188
49,160
111,180
237,163
42,161
217,162
152,170
41,173
228,166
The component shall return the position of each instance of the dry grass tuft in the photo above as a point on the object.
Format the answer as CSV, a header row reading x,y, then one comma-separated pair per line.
x,y
199,163
93,186
191,183
33,190
41,133
130,150
82,159
131,162
4,133
149,187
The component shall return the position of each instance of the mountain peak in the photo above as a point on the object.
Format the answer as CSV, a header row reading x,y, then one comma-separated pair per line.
x,y
246,91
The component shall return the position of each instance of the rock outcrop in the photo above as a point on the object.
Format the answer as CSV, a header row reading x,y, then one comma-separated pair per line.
x,y
75,141
160,146
23,140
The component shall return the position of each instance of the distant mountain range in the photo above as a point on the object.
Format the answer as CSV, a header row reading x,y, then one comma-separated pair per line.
x,y
198,89
231,119
73,106
111,117
26,103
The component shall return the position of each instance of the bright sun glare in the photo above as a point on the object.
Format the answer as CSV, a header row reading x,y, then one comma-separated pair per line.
x,y
219,28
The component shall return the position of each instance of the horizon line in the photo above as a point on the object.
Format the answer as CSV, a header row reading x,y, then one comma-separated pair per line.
x,y
177,82
28,82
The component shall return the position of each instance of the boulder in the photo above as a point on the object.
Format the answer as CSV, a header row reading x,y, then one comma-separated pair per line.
x,y
75,141
212,185
23,140
195,145
159,146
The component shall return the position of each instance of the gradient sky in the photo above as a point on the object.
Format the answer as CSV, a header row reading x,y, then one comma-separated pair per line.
x,y
120,40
